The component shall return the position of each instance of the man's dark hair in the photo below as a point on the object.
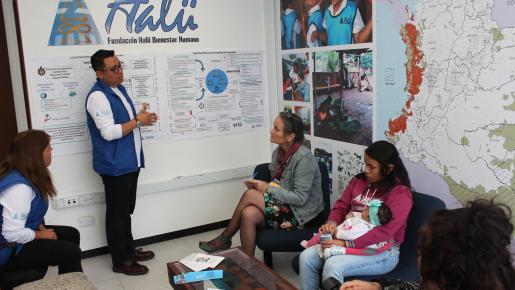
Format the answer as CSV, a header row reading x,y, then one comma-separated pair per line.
x,y
97,59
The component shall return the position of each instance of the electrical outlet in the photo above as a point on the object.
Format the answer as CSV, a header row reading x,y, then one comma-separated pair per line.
x,y
69,201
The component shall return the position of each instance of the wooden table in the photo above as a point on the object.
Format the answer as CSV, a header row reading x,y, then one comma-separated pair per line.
x,y
240,272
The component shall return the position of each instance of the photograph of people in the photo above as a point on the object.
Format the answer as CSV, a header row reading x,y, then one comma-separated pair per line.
x,y
343,24
290,25
313,26
316,23
296,77
304,114
342,95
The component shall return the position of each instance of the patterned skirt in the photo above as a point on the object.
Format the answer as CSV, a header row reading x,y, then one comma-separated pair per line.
x,y
278,215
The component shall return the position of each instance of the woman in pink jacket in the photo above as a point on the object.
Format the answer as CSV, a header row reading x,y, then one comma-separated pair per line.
x,y
385,178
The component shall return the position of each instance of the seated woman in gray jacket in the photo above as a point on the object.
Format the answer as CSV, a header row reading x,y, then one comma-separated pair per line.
x,y
291,199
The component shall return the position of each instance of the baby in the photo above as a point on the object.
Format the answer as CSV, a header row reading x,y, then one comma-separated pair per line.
x,y
355,225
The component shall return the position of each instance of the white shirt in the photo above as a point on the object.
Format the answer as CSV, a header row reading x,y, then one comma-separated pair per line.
x,y
293,76
100,110
358,24
16,202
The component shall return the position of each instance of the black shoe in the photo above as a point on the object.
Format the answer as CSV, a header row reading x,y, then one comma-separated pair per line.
x,y
211,247
331,284
131,268
140,255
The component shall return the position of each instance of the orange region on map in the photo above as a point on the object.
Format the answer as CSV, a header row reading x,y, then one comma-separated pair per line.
x,y
414,74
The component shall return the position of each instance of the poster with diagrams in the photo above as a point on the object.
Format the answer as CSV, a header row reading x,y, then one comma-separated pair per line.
x,y
57,91
212,93
141,82
196,94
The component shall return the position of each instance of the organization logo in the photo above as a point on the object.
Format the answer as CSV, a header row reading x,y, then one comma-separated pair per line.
x,y
73,25
41,71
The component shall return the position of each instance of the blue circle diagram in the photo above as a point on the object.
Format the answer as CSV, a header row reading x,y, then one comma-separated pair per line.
x,y
216,81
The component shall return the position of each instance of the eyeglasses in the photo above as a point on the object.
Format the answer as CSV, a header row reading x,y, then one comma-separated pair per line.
x,y
116,68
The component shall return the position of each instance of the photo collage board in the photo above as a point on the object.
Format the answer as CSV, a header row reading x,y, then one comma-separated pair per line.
x,y
328,80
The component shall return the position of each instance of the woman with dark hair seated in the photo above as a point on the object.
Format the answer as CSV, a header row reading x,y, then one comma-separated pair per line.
x,y
25,187
293,198
460,249
385,178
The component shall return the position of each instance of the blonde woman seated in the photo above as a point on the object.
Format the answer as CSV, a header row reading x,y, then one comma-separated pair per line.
x,y
293,198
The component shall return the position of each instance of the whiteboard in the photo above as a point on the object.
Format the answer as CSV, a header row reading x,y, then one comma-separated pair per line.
x,y
222,25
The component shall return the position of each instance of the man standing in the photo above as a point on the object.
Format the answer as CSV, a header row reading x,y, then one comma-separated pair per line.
x,y
115,133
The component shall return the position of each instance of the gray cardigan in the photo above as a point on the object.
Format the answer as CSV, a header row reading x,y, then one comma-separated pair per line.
x,y
300,185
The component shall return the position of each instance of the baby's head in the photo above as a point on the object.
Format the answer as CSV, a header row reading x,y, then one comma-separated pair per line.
x,y
376,213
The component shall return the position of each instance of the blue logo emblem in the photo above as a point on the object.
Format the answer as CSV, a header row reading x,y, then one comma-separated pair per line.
x,y
73,25
216,81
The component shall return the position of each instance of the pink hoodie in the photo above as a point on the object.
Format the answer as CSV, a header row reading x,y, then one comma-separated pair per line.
x,y
354,198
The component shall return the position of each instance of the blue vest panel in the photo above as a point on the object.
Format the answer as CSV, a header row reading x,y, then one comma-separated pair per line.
x,y
316,18
115,157
289,23
38,209
339,27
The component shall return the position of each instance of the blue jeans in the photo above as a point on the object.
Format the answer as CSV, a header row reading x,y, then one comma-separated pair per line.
x,y
341,266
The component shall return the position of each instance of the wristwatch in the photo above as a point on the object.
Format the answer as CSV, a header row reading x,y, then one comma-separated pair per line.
x,y
138,122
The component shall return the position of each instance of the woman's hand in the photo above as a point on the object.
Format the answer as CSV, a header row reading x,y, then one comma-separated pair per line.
x,y
249,184
360,285
258,185
328,228
41,227
332,243
47,234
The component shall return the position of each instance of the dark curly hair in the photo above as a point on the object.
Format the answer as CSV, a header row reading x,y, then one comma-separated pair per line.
x,y
467,248
385,153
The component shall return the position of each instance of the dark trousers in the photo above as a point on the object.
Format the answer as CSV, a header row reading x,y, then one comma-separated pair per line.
x,y
32,261
120,193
